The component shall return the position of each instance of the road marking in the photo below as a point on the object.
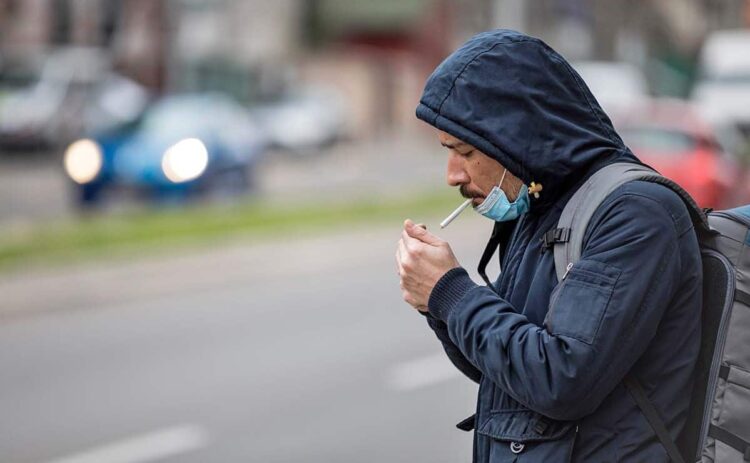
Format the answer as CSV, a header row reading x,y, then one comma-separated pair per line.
x,y
145,447
421,372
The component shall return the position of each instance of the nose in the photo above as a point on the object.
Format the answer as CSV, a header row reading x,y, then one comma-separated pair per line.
x,y
456,174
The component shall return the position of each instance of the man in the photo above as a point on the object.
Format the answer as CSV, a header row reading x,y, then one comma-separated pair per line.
x,y
521,127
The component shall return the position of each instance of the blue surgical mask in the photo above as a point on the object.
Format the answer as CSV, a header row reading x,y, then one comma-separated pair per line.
x,y
497,207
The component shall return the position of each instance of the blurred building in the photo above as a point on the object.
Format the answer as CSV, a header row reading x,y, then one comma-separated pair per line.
x,y
663,37
131,30
376,53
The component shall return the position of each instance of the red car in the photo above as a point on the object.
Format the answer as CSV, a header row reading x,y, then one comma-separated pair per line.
x,y
671,137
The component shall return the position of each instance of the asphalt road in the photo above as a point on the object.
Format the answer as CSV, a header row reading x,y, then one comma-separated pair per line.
x,y
290,352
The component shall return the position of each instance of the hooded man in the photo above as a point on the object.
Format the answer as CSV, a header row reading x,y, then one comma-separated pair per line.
x,y
523,132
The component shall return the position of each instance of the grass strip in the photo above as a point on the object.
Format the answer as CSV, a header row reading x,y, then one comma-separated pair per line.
x,y
93,236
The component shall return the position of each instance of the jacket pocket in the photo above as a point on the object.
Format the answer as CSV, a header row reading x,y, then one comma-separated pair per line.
x,y
526,436
580,300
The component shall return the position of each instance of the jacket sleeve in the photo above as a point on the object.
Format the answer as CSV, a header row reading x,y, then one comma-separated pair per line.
x,y
454,354
600,318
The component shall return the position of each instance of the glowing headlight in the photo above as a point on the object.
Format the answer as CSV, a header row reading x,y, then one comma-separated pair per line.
x,y
83,160
185,160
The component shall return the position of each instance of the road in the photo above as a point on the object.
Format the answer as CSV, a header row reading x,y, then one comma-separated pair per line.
x,y
299,351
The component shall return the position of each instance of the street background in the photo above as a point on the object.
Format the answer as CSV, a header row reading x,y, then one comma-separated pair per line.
x,y
200,202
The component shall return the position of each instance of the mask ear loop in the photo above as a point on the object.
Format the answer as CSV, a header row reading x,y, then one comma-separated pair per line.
x,y
500,185
519,190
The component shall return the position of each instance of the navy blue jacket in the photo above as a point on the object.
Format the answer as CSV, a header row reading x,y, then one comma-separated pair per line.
x,y
550,358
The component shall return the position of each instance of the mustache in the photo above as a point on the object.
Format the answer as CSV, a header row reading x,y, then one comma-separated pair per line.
x,y
467,193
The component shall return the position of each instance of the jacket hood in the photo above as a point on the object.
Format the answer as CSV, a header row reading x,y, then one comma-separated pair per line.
x,y
515,99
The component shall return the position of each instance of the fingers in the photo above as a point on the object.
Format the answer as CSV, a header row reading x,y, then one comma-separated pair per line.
x,y
420,233
403,259
410,243
404,263
406,251
405,294
399,267
404,256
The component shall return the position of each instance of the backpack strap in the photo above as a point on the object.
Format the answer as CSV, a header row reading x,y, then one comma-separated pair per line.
x,y
653,418
489,251
567,239
730,439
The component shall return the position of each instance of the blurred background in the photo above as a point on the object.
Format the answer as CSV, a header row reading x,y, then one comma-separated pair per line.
x,y
200,200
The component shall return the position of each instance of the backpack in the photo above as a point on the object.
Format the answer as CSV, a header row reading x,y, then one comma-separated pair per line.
x,y
718,423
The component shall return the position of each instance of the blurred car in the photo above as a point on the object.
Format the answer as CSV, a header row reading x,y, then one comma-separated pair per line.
x,y
305,120
615,85
17,73
670,136
181,146
75,92
723,88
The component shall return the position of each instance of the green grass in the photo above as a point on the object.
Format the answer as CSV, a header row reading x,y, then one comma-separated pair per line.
x,y
160,230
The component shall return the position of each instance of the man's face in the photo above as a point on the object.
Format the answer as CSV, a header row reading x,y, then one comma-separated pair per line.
x,y
474,172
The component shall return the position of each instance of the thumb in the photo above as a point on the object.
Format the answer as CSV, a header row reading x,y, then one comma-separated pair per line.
x,y
421,233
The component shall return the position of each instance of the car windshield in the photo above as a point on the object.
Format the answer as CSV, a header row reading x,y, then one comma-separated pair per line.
x,y
656,139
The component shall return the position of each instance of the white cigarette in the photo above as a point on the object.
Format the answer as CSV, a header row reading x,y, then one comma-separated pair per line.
x,y
455,213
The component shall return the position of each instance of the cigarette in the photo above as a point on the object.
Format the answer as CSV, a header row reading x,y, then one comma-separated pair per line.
x,y
455,213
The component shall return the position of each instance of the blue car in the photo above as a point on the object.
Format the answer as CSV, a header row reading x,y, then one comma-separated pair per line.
x,y
180,147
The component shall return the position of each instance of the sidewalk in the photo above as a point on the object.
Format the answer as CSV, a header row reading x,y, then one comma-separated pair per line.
x,y
107,283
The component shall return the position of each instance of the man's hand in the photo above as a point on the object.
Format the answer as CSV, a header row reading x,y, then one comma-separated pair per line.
x,y
421,258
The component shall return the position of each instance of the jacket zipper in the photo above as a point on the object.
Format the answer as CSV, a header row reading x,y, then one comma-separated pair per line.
x,y
557,294
567,270
573,444
553,301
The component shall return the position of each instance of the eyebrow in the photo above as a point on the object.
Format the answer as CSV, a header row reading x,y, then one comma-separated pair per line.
x,y
455,145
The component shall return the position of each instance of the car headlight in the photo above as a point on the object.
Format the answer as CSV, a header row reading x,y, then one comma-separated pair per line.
x,y
185,160
83,160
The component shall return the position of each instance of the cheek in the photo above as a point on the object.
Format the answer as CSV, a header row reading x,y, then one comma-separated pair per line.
x,y
477,172
483,180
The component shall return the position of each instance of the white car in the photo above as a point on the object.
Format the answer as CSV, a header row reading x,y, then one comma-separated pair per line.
x,y
305,120
616,85
75,92
722,91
